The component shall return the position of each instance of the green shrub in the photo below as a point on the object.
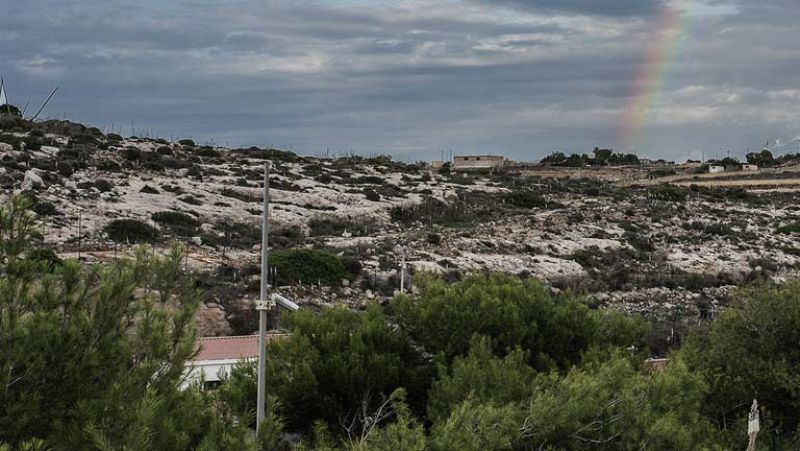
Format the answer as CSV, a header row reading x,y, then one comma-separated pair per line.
x,y
367,180
372,195
525,199
553,330
179,223
208,152
191,200
267,154
668,193
130,231
789,228
334,363
308,266
45,209
335,226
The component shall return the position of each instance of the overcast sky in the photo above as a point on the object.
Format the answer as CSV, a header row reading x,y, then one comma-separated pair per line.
x,y
410,78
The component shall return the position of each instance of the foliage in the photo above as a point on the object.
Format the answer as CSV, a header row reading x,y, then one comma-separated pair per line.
x,y
335,362
763,159
481,377
92,358
668,193
130,231
789,228
525,199
308,266
608,404
601,157
476,427
335,226
553,330
267,154
9,110
746,355
179,223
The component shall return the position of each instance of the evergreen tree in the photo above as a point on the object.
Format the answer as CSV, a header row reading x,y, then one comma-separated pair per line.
x,y
93,358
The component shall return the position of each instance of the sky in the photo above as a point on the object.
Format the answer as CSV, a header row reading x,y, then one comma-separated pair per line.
x,y
671,79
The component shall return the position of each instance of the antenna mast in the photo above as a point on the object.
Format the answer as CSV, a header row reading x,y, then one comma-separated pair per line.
x,y
45,104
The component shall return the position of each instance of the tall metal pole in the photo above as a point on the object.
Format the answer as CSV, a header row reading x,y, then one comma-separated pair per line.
x,y
403,272
263,306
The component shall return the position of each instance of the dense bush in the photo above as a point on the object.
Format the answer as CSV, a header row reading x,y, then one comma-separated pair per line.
x,y
372,195
308,266
746,354
45,208
267,154
789,228
92,360
525,199
667,193
177,222
338,360
554,331
130,231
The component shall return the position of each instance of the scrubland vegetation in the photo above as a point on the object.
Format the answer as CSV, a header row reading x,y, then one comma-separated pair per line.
x,y
93,358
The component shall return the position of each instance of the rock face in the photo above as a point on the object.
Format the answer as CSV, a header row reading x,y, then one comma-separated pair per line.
x,y
5,147
32,180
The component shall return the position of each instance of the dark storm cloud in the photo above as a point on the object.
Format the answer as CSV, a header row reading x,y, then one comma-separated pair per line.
x,y
408,78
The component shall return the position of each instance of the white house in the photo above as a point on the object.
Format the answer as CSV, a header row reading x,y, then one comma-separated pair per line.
x,y
716,169
218,355
478,161
749,167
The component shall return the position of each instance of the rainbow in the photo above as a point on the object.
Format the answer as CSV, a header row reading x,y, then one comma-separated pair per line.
x,y
648,84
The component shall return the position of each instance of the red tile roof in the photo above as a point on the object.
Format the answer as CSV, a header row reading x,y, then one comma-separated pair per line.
x,y
229,348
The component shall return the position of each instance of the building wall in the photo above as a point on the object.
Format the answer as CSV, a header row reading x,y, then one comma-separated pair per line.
x,y
716,169
210,370
478,161
749,167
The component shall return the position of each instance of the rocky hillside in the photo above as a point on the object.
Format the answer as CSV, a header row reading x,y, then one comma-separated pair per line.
x,y
341,226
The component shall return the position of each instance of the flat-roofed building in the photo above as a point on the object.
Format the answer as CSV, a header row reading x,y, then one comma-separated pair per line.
x,y
218,355
463,162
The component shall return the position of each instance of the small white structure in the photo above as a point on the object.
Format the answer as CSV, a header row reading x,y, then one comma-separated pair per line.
x,y
716,169
478,161
217,356
749,167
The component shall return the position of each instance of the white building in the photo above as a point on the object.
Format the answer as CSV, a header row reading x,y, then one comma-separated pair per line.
x,y
216,356
749,167
716,169
478,161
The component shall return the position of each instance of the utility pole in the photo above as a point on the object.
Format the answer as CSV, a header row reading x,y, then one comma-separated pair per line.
x,y
263,306
403,272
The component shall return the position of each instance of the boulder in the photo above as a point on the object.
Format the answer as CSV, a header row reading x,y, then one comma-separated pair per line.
x,y
32,180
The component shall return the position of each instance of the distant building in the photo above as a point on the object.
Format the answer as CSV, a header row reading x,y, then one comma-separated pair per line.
x,y
478,161
716,169
436,164
749,167
218,355
656,365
